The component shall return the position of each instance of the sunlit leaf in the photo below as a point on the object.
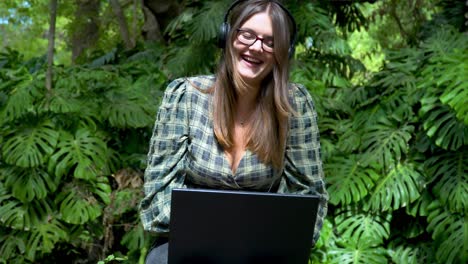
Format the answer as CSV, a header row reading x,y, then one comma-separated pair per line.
x,y
399,187
30,146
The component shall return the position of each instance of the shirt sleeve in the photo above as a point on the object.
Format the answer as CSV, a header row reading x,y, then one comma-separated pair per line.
x,y
303,171
165,165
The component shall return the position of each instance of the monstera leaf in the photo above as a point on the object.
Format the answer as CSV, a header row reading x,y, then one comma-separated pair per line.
x,y
450,231
30,146
44,237
354,254
11,244
63,101
79,201
447,69
441,124
28,184
365,229
348,180
401,186
127,107
17,215
84,152
455,78
405,253
450,172
20,100
135,238
385,143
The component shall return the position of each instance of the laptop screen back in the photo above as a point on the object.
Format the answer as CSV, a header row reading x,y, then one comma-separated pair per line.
x,y
212,226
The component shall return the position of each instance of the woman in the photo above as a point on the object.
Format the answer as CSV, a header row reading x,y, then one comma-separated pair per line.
x,y
246,128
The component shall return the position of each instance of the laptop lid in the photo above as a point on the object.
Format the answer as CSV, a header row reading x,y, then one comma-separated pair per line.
x,y
215,226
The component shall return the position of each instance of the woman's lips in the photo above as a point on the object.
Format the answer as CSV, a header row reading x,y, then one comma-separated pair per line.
x,y
251,60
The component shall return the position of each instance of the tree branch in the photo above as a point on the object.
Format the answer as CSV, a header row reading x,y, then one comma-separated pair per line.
x,y
50,50
122,24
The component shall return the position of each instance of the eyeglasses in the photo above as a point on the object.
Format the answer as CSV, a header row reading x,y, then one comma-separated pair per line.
x,y
247,37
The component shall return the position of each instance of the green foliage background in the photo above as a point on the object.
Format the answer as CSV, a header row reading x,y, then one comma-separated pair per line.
x,y
393,121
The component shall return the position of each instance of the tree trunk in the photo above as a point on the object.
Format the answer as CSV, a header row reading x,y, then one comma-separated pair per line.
x,y
85,26
124,32
158,14
50,50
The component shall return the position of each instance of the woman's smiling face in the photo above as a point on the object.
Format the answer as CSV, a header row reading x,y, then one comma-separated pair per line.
x,y
252,62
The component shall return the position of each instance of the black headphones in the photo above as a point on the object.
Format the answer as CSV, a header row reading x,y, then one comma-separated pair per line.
x,y
225,27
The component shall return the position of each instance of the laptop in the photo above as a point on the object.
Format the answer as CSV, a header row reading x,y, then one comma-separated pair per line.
x,y
233,227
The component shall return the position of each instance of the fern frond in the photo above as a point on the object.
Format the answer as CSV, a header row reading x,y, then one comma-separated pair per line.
x,y
401,186
191,59
312,20
348,180
30,145
450,172
205,24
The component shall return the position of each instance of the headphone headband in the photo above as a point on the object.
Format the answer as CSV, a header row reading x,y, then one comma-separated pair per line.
x,y
225,27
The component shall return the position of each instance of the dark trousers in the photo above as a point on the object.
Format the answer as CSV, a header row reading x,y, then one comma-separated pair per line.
x,y
158,252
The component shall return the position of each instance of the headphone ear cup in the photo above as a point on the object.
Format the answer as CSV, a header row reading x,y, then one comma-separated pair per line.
x,y
291,51
223,33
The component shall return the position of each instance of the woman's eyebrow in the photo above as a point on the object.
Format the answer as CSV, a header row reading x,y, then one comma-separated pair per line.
x,y
254,32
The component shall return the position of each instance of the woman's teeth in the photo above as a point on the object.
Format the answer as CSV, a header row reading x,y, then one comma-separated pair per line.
x,y
252,60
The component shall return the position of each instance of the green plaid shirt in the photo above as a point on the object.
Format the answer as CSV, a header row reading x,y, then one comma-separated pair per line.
x,y
184,153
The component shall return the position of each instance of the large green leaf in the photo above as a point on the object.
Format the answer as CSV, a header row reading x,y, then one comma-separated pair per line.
x,y
62,100
30,145
442,125
348,180
386,143
405,253
357,255
135,238
419,207
17,215
84,152
455,77
28,184
44,237
127,107
11,244
20,100
450,231
447,69
81,202
365,229
449,172
401,186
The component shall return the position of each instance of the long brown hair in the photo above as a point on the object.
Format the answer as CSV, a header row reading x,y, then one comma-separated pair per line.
x,y
269,124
